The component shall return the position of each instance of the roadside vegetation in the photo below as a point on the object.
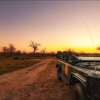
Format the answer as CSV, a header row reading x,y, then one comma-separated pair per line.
x,y
12,59
11,64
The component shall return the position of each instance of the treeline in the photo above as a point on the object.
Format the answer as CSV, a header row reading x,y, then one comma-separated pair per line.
x,y
11,50
71,52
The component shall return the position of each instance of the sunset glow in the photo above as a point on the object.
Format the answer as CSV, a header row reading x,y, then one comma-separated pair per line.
x,y
56,25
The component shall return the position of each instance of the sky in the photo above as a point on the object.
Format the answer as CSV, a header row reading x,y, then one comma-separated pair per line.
x,y
56,25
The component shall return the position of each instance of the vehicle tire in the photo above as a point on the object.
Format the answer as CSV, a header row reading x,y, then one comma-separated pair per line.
x,y
79,92
59,76
59,71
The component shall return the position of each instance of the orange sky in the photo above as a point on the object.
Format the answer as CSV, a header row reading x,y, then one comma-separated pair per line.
x,y
56,25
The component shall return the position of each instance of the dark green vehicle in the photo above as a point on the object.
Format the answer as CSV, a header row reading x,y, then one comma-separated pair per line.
x,y
82,73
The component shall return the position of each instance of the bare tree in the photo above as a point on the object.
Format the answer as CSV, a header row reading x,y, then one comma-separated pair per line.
x,y
12,49
34,46
5,49
9,50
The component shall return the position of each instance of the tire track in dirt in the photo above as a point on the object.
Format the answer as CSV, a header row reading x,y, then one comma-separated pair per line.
x,y
47,87
38,82
12,83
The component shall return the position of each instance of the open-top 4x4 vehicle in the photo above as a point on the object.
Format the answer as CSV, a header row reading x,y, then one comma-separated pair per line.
x,y
82,73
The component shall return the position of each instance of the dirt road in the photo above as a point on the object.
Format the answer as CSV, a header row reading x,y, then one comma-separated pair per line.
x,y
37,82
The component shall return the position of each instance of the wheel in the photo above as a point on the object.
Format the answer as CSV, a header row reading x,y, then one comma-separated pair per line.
x,y
59,71
79,92
59,76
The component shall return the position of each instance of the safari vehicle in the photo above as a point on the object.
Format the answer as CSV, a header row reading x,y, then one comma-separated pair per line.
x,y
82,73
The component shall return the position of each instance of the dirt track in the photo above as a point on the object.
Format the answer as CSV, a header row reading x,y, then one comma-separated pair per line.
x,y
37,82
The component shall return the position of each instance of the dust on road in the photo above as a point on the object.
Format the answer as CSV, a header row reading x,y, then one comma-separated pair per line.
x,y
37,82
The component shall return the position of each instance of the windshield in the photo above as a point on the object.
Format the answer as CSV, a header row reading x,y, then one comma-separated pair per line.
x,y
89,63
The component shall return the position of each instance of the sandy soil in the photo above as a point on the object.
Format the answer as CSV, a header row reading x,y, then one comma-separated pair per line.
x,y
37,82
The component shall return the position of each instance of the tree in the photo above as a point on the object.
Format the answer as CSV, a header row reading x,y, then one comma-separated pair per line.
x,y
5,50
34,46
43,50
12,49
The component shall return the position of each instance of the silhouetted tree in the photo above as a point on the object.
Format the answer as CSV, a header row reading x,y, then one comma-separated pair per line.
x,y
34,46
12,49
43,51
18,52
8,51
5,50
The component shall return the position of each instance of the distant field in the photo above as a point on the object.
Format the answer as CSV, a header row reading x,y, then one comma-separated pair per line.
x,y
12,64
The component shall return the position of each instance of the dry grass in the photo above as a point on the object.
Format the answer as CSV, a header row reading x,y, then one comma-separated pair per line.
x,y
10,64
